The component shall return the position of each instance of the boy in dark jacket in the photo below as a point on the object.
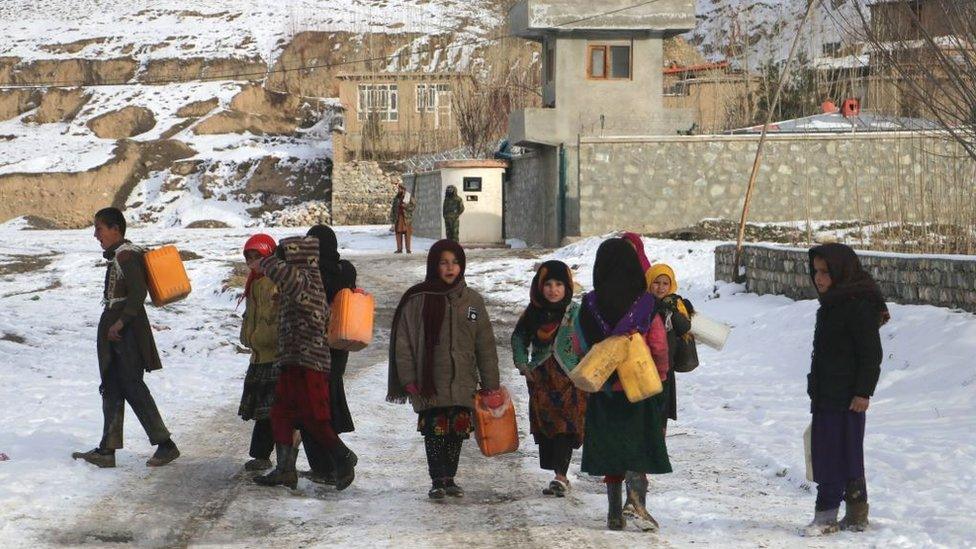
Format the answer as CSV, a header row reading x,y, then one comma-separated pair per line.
x,y
126,349
845,367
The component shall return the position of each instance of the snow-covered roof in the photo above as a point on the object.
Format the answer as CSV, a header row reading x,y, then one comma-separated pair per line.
x,y
838,123
843,62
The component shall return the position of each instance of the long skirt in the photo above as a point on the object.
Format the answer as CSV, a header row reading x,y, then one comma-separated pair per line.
x,y
556,406
259,391
302,401
341,417
448,421
623,436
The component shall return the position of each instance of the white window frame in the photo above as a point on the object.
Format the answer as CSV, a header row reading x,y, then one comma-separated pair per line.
x,y
382,99
431,97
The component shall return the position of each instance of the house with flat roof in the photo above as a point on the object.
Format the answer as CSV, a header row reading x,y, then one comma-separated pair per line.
x,y
602,75
392,115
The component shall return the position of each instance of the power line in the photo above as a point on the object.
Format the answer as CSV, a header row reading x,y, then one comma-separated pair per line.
x,y
257,75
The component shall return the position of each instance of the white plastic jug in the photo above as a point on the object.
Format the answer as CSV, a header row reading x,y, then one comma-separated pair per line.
x,y
710,332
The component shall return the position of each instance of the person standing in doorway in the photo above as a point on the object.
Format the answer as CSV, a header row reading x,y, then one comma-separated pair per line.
x,y
453,208
126,348
401,216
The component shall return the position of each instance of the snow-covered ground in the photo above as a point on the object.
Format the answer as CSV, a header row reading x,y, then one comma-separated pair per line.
x,y
737,450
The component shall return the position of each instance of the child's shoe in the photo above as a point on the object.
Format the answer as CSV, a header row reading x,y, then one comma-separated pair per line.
x,y
437,491
824,523
855,517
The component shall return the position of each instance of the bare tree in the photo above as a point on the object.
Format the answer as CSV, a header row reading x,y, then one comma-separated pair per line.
x,y
924,51
505,79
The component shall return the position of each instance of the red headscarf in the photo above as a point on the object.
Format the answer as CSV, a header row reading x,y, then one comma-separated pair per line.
x,y
638,244
264,245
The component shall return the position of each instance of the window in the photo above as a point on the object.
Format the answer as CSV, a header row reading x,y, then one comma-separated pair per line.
x,y
608,62
430,97
381,99
472,184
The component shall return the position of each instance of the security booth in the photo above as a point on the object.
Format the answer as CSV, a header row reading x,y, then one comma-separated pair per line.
x,y
478,183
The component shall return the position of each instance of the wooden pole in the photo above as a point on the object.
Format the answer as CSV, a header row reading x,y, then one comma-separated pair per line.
x,y
736,274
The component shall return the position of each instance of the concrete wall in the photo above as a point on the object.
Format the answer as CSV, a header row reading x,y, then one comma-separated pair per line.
x,y
659,183
943,281
481,221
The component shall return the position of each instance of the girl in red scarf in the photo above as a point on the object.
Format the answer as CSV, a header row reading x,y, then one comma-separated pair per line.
x,y
259,333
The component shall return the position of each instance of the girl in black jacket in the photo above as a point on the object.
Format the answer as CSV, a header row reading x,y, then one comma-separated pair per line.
x,y
844,371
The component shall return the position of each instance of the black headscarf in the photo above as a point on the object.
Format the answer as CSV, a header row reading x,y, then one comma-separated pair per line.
x,y
540,310
336,273
618,281
848,278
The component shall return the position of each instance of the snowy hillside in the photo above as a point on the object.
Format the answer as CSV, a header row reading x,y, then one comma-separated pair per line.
x,y
766,29
102,29
736,447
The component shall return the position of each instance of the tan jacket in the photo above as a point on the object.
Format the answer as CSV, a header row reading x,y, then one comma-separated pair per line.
x,y
464,358
259,331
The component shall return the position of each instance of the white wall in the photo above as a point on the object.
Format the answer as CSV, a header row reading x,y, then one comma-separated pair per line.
x,y
481,221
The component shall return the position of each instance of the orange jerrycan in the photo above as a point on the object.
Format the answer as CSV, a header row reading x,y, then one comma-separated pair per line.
x,y
495,428
351,323
166,278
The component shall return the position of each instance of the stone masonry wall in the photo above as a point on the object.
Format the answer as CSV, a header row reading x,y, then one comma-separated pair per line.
x,y
428,216
652,184
362,193
526,205
943,281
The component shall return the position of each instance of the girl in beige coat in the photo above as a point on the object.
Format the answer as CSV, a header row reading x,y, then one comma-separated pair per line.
x,y
440,370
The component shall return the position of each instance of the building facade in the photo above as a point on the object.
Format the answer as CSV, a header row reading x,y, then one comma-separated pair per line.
x,y
392,115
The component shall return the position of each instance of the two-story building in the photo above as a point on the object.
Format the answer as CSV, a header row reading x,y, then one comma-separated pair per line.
x,y
394,114
601,64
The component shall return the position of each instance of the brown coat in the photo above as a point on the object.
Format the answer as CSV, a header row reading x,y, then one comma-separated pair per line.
x,y
125,286
303,316
464,357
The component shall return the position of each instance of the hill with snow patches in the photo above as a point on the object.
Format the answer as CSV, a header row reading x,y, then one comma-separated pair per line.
x,y
194,112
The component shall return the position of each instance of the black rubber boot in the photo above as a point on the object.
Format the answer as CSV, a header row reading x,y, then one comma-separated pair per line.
x,y
345,466
856,507
284,472
615,506
636,507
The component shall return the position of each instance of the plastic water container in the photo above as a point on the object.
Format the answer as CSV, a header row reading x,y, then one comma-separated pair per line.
x,y
351,323
599,363
710,332
166,277
638,373
495,429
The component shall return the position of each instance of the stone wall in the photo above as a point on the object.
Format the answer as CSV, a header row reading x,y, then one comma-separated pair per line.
x,y
529,205
943,281
362,193
659,183
428,216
